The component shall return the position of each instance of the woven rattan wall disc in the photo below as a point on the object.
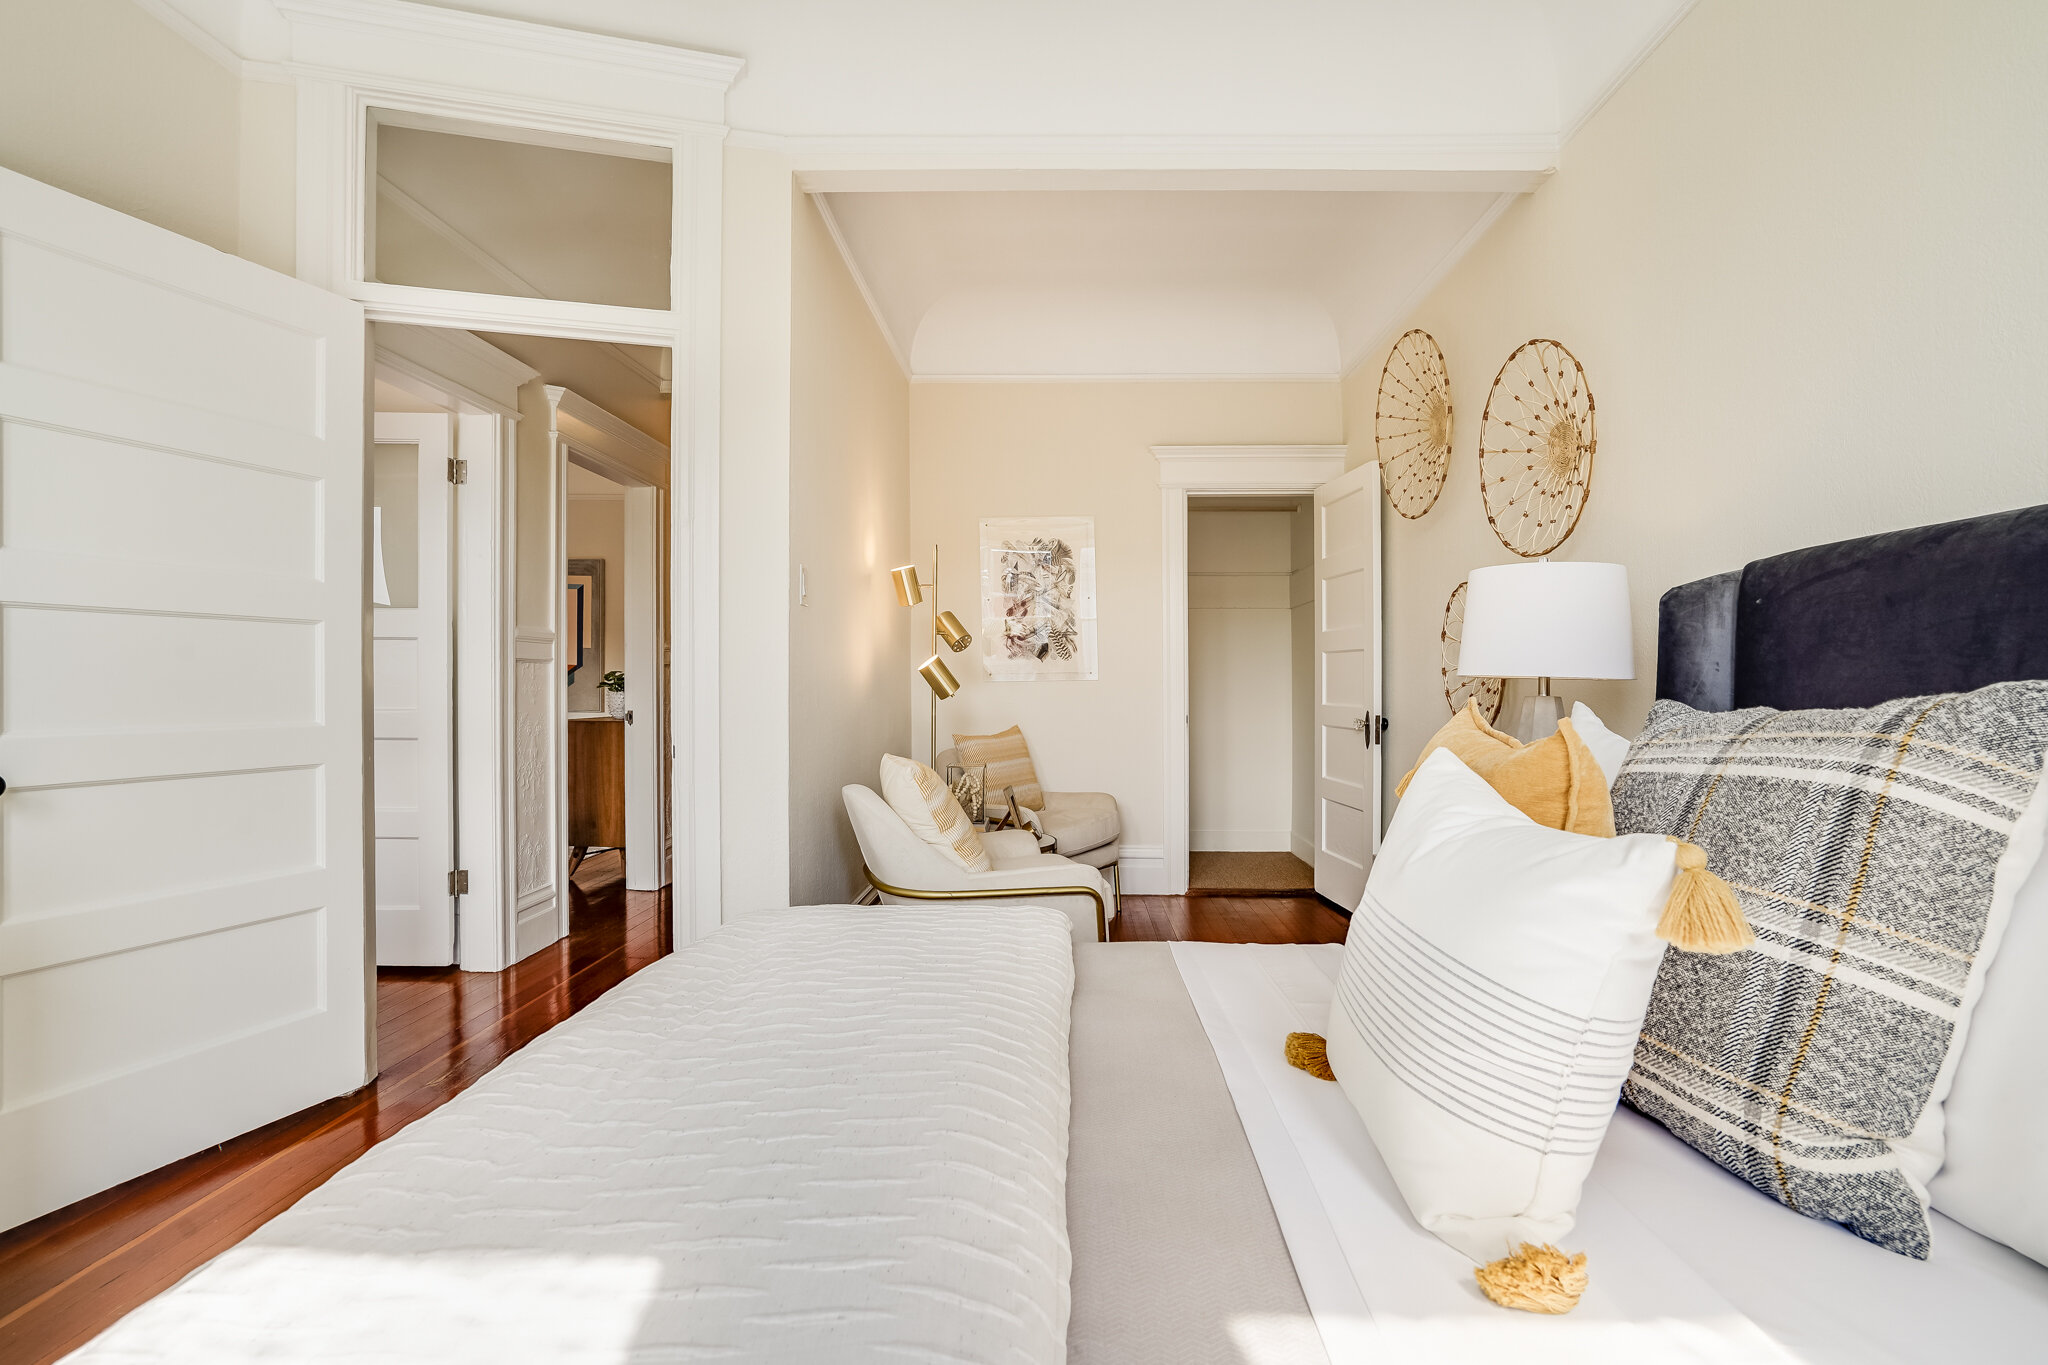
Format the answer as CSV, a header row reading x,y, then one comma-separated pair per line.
x,y
1411,423
1536,443
1459,689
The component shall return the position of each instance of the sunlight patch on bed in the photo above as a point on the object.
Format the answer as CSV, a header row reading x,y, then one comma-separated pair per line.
x,y
272,1304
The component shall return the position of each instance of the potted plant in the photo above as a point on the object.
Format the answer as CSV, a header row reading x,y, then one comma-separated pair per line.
x,y
613,684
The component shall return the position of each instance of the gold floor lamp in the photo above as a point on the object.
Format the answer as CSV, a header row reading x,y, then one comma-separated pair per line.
x,y
945,626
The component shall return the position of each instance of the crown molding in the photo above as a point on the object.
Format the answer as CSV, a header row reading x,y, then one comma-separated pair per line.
x,y
1192,377
395,20
860,282
455,366
608,446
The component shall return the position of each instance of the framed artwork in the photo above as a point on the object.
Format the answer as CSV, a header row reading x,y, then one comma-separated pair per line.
x,y
583,633
1038,599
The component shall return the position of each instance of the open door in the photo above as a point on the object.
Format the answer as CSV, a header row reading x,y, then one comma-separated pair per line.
x,y
1347,683
411,485
183,951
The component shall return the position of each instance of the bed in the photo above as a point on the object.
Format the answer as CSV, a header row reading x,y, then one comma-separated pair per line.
x,y
846,1133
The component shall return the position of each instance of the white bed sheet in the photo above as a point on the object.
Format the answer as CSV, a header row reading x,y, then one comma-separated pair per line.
x,y
1686,1261
820,1135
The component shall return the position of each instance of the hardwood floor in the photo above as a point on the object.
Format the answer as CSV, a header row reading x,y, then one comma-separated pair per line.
x,y
69,1274
1214,918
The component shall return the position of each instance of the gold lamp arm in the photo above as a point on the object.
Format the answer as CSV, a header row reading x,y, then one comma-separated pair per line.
x,y
999,893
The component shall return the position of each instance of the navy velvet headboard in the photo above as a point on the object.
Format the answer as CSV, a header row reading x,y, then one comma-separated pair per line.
x,y
1941,608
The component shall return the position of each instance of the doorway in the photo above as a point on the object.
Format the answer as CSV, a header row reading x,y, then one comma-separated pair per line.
x,y
1251,597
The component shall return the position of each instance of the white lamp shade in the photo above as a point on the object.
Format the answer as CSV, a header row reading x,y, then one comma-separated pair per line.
x,y
1547,620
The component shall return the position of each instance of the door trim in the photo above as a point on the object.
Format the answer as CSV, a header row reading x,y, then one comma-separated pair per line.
x,y
1195,470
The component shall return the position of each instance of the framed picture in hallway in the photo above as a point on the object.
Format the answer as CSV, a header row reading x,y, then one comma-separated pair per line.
x,y
1038,598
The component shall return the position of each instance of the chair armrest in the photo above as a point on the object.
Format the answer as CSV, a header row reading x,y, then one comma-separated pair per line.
x,y
1047,875
1010,845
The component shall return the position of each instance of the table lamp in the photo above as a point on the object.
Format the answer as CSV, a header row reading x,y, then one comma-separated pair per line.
x,y
1545,621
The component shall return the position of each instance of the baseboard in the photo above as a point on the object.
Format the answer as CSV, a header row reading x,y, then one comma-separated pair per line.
x,y
1142,870
1302,849
1239,841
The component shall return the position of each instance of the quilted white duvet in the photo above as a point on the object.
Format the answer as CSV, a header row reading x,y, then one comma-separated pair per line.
x,y
827,1134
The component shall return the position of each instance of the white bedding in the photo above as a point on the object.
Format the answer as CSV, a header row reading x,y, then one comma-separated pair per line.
x,y
828,1134
1686,1261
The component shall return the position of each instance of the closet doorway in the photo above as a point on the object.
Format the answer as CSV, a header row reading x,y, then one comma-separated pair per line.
x,y
1251,649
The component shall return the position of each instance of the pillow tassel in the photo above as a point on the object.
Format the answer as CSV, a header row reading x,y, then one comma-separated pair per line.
x,y
1702,915
1311,1053
1535,1279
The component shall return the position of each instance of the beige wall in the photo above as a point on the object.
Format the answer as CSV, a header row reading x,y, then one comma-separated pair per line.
x,y
1240,679
849,481
1800,254
1080,449
98,98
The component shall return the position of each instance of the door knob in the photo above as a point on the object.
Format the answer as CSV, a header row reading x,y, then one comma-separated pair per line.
x,y
1359,724
629,717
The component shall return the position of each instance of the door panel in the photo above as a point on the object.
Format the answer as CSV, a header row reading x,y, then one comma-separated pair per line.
x,y
182,893
413,686
1347,681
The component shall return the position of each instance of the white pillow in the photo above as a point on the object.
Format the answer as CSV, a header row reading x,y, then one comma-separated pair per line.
x,y
1493,985
1995,1177
1609,749
920,797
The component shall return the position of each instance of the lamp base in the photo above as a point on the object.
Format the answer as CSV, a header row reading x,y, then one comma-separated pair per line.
x,y
1539,717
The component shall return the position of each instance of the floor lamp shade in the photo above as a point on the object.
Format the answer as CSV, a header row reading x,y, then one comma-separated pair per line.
x,y
1547,620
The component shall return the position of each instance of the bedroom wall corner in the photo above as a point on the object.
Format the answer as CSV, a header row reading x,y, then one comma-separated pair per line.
x,y
849,510
1791,339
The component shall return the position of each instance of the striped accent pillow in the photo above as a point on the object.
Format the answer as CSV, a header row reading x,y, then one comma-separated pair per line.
x,y
1876,854
1493,983
919,796
1009,766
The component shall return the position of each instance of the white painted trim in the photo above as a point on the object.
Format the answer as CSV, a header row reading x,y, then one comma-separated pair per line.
x,y
484,582
526,137
1141,871
511,313
999,171
1187,377
1248,469
860,282
1185,470
829,163
487,37
1240,840
453,367
1429,281
604,444
645,744
1301,848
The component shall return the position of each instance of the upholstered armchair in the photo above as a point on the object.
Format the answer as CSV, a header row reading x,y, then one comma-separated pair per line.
x,y
1084,826
907,871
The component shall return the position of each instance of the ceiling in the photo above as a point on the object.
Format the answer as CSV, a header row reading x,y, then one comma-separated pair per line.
x,y
1317,69
1147,283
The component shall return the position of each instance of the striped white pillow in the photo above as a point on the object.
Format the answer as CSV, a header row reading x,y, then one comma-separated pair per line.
x,y
1493,985
920,797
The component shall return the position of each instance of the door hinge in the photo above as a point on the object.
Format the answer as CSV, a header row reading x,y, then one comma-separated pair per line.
x,y
458,883
458,470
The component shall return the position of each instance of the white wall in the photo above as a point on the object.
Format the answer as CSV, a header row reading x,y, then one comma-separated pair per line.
x,y
754,525
849,640
1800,255
100,99
1081,449
1301,602
1240,680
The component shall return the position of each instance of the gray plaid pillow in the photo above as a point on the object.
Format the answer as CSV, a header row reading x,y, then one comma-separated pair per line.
x,y
1864,846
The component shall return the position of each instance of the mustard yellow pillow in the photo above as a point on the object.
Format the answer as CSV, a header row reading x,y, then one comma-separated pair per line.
x,y
1556,781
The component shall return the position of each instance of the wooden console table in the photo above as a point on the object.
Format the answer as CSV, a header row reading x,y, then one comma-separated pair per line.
x,y
597,784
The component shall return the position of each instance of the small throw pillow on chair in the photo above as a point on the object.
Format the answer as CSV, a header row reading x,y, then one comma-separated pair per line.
x,y
1009,766
920,798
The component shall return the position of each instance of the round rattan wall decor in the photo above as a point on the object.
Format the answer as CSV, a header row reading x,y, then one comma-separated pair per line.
x,y
1458,689
1536,443
1411,423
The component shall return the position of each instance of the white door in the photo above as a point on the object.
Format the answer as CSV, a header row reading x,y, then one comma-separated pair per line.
x,y
1347,682
413,630
183,953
